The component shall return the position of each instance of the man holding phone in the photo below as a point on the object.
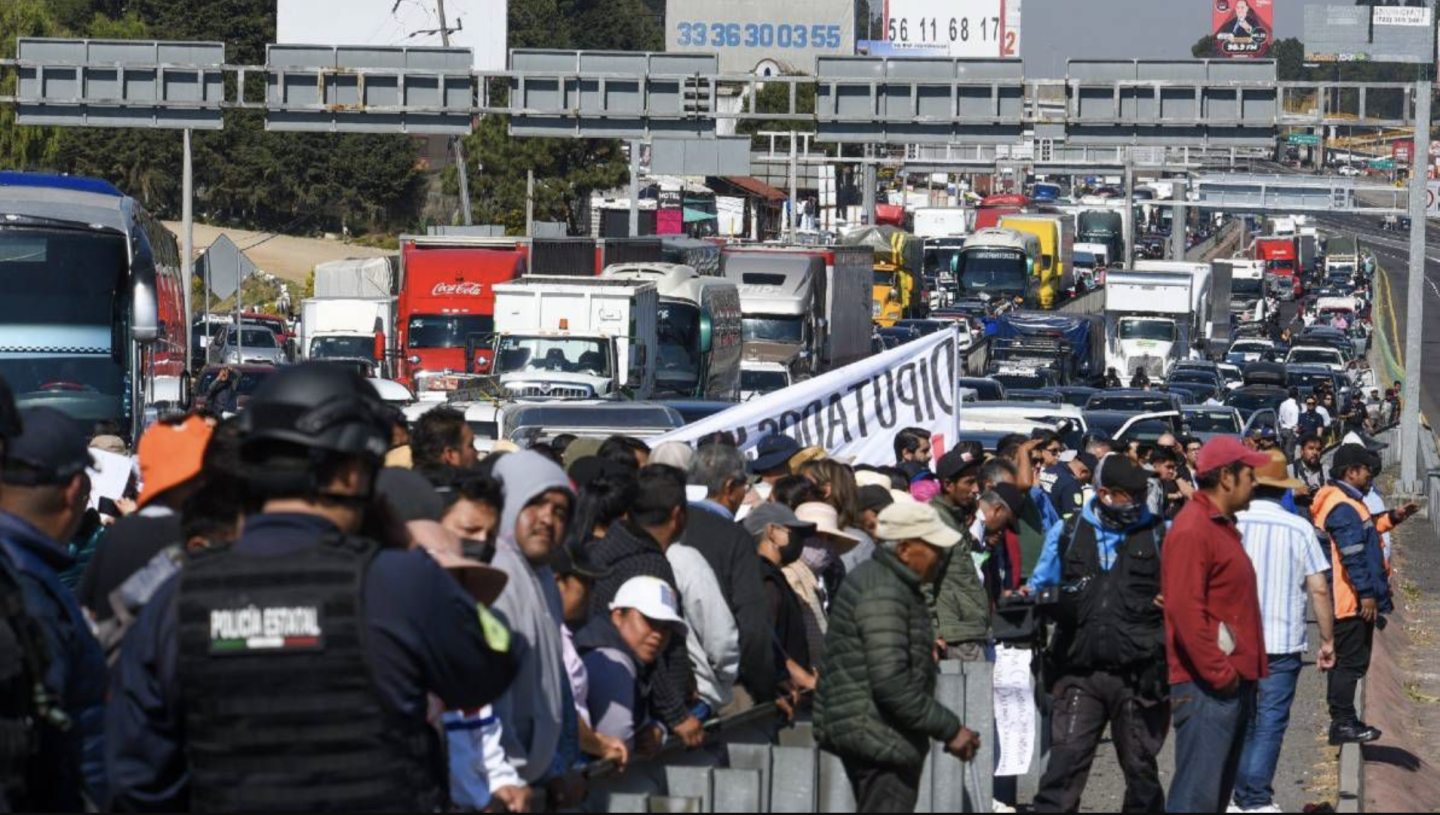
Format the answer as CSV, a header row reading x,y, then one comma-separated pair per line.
x,y
1361,580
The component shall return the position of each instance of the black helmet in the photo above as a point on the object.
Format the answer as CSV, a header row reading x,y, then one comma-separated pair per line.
x,y
10,425
326,409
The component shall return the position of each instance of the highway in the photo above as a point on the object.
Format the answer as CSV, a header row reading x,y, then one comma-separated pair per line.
x,y
1392,253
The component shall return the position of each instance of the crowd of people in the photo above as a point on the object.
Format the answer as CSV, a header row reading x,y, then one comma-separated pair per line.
x,y
312,605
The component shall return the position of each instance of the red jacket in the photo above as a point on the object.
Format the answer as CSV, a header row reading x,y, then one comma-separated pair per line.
x,y
1208,580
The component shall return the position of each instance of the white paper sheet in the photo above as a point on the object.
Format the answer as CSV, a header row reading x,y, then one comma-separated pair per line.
x,y
1014,710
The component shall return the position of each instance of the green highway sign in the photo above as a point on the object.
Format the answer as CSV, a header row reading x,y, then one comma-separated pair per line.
x,y
1306,139
1382,163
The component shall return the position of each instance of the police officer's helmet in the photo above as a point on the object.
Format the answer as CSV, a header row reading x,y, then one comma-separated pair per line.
x,y
328,410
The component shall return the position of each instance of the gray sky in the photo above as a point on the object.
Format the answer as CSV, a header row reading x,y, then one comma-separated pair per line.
x,y
1056,30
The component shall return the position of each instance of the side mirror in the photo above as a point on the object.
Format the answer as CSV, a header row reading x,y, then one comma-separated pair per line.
x,y
144,313
707,332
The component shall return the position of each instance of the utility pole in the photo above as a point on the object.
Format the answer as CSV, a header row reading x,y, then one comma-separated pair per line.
x,y
530,203
1413,481
461,170
1130,235
635,189
187,238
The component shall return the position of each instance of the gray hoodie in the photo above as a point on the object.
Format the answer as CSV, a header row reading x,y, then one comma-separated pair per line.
x,y
531,711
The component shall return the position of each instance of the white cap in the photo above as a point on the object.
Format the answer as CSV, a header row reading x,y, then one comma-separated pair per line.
x,y
652,597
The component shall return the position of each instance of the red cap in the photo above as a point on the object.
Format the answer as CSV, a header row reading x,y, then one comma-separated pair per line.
x,y
1222,451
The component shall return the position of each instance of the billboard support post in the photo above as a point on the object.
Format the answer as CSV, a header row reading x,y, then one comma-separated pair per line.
x,y
794,191
868,173
187,235
1130,211
635,189
1412,480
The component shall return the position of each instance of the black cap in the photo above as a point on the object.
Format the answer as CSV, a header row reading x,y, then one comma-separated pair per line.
x,y
570,560
1013,498
956,464
773,453
52,449
874,498
1090,461
1118,472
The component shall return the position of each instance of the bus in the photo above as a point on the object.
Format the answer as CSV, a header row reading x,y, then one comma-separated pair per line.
x,y
92,303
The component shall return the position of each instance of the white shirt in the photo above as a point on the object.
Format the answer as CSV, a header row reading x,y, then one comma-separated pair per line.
x,y
1285,553
478,765
1289,414
713,638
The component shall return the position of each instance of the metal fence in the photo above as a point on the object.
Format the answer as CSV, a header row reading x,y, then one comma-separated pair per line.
x,y
744,770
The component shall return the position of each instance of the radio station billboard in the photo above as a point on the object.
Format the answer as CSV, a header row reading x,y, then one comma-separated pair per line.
x,y
480,25
1243,29
965,29
761,36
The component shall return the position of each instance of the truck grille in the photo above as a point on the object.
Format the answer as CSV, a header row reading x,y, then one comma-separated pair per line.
x,y
548,392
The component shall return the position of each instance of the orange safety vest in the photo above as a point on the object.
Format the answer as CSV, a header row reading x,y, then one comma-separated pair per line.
x,y
1347,601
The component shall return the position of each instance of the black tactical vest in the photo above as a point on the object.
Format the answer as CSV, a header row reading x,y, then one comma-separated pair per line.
x,y
281,707
24,701
1108,620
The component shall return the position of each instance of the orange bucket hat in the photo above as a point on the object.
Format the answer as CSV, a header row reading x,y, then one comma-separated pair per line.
x,y
171,454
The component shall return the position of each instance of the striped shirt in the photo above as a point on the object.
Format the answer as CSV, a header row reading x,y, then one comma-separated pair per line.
x,y
1285,552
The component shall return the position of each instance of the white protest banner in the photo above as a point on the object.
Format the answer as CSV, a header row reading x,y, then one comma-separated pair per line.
x,y
855,411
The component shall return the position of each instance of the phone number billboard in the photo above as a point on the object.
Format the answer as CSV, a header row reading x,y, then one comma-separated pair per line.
x,y
964,29
751,35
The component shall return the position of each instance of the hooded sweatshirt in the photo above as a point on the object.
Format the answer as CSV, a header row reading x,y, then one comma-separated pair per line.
x,y
532,711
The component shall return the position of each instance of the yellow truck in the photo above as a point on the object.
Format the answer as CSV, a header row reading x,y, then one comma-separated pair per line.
x,y
1057,238
898,259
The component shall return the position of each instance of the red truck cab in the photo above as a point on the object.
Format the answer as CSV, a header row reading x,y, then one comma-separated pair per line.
x,y
1280,259
447,303
995,207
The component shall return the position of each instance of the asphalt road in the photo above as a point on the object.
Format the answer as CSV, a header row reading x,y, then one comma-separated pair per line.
x,y
1392,251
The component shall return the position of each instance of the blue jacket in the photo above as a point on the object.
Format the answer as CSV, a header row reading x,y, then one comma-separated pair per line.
x,y
1049,570
75,759
1360,550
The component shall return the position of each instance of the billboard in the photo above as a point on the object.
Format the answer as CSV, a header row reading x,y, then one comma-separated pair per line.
x,y
964,29
1243,28
480,25
761,36
1365,34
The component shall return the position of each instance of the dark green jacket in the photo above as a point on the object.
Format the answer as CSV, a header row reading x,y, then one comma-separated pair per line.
x,y
876,698
961,606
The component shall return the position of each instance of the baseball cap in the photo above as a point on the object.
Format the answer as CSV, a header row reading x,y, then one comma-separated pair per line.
x,y
171,454
51,448
1011,495
827,523
956,464
773,453
570,560
652,597
1120,473
904,521
771,512
1277,473
1222,451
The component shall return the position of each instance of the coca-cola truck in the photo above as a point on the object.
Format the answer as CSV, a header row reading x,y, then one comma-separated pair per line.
x,y
445,315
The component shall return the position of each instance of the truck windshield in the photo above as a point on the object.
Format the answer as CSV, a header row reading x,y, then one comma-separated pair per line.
x,y
1085,259
679,330
1247,286
342,348
1152,330
787,330
763,381
64,321
1281,266
994,271
884,278
564,355
941,260
446,331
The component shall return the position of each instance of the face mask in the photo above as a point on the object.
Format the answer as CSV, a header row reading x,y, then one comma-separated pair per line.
x,y
792,551
1120,516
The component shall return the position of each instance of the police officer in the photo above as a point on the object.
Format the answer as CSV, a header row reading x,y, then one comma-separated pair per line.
x,y
291,670
1106,662
42,503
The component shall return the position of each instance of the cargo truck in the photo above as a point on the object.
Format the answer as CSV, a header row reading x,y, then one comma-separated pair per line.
x,y
1342,256
346,328
1103,226
897,265
576,338
994,207
701,338
1150,321
1282,262
1057,239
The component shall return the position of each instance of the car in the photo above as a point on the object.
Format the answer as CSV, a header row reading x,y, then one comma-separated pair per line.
x,y
529,422
902,334
1326,355
925,327
760,378
1189,393
1253,398
251,378
1023,417
201,335
1350,171
1076,395
1205,422
1310,377
247,345
986,388
1265,373
1133,401
1234,377
1123,427
1211,379
1246,351
1026,379
1036,395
